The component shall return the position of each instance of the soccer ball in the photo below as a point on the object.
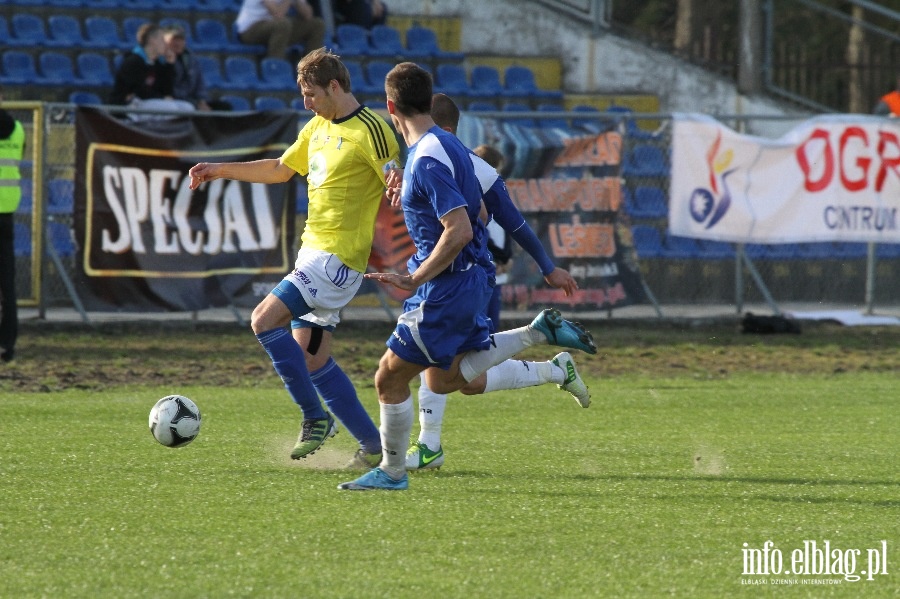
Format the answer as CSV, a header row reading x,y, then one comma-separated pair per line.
x,y
175,421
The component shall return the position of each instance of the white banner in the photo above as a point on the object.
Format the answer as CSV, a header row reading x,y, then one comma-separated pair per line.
x,y
833,178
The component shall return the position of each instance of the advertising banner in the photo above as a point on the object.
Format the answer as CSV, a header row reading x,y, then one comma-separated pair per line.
x,y
832,178
148,242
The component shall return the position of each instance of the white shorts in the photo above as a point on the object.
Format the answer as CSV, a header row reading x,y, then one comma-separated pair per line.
x,y
326,284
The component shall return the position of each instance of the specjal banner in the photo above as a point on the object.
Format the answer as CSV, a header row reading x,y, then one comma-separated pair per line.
x,y
832,178
148,242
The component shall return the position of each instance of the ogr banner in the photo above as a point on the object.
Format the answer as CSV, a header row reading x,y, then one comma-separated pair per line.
x,y
147,242
832,178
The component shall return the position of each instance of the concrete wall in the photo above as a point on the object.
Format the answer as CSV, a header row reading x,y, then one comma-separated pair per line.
x,y
607,64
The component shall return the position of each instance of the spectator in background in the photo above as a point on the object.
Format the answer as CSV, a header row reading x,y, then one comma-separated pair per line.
x,y
365,13
889,104
189,84
12,150
272,24
146,77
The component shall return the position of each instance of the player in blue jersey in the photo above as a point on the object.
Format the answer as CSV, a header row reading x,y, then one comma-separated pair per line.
x,y
427,451
443,328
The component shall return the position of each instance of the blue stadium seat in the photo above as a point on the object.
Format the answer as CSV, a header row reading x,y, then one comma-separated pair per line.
x,y
422,42
591,123
519,107
238,103
60,235
352,40
297,104
27,30
212,71
451,79
552,122
358,82
19,68
217,7
4,31
631,127
103,32
519,82
22,243
83,98
384,40
211,35
56,68
94,69
647,241
241,74
645,161
61,196
650,202
130,26
485,82
269,103
480,106
376,71
26,203
64,32
676,246
140,5
278,74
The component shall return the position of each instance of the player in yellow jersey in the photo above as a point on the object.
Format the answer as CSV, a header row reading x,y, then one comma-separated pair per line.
x,y
344,151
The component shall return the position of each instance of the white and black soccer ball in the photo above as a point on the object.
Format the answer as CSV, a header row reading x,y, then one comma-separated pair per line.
x,y
175,421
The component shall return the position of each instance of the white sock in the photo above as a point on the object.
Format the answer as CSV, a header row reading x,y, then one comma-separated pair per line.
x,y
431,415
505,345
396,424
516,374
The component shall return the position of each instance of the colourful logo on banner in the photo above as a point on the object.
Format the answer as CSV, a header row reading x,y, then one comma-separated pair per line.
x,y
709,205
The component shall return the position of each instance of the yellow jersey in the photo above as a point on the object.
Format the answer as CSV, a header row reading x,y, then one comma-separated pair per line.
x,y
344,162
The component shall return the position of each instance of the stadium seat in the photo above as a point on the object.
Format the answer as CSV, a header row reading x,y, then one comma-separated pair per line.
x,y
140,5
241,74
384,40
64,32
61,197
217,7
4,31
357,77
352,40
130,26
19,68
26,203
451,79
57,69
278,74
27,30
83,98
519,82
592,123
676,246
269,103
650,202
485,82
297,104
520,121
631,128
376,72
103,32
94,69
480,106
212,71
238,103
60,235
211,35
552,122
422,42
645,161
22,243
647,242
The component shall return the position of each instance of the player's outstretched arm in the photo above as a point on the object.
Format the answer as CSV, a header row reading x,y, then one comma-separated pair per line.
x,y
561,279
271,170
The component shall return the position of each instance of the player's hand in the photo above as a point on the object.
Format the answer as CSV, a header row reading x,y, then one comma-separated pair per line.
x,y
202,173
393,181
561,279
404,282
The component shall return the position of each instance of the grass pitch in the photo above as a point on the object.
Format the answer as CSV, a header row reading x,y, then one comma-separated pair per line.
x,y
652,491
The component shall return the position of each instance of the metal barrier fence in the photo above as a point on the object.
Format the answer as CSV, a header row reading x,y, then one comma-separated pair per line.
x,y
677,271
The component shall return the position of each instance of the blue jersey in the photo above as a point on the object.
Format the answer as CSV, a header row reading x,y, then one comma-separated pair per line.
x,y
440,177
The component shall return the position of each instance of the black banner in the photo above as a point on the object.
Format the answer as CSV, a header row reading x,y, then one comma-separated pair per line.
x,y
147,242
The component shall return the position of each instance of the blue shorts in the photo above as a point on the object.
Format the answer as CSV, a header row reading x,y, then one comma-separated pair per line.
x,y
445,317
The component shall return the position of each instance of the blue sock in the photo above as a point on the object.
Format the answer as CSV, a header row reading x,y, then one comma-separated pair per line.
x,y
336,389
290,364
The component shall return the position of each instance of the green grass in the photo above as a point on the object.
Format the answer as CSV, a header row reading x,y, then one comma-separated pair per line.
x,y
651,492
